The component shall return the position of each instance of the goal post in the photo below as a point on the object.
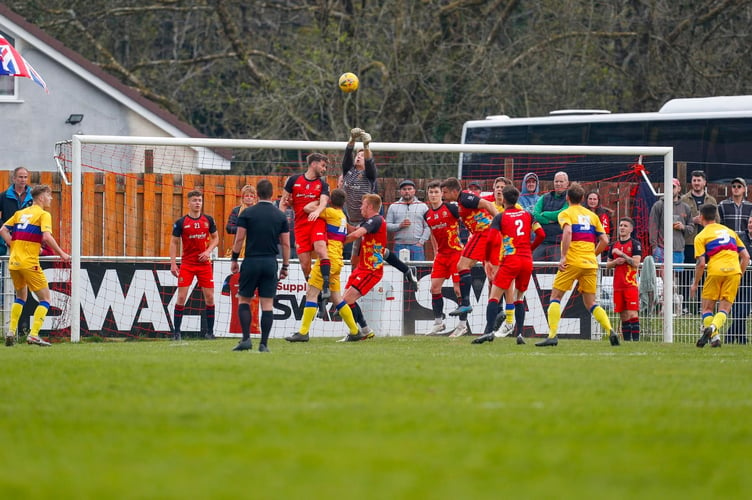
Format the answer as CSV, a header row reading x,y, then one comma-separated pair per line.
x,y
77,167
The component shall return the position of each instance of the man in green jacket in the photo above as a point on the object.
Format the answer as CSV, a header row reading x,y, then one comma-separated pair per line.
x,y
546,212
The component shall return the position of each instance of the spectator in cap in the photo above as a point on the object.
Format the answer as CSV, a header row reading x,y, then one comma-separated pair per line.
x,y
683,228
475,188
405,221
735,212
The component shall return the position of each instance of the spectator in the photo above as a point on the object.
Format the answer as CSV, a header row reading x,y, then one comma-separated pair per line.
x,y
405,220
16,197
546,212
475,188
735,210
247,199
735,214
737,333
529,193
603,213
684,229
696,197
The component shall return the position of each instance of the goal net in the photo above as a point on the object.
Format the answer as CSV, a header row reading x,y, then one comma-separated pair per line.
x,y
126,192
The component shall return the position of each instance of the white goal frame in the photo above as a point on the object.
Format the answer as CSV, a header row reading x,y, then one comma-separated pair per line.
x,y
76,184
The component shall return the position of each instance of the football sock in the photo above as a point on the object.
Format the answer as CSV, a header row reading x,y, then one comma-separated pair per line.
x,y
325,267
601,317
210,320
15,314
39,314
267,318
347,316
554,315
178,321
466,282
492,310
244,316
393,260
509,310
707,318
635,329
308,314
519,317
718,320
626,330
437,305
358,315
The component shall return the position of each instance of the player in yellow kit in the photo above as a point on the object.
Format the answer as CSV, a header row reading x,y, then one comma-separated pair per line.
x,y
582,240
721,250
24,234
332,227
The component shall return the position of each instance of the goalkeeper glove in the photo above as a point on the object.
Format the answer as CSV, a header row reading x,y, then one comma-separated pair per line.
x,y
366,138
355,134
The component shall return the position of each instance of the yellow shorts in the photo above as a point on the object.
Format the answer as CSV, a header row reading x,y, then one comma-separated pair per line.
x,y
32,278
586,276
316,280
720,287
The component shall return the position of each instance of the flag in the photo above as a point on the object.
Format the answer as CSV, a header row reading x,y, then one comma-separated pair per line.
x,y
13,64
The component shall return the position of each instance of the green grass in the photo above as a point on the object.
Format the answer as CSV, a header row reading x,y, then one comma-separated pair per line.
x,y
390,418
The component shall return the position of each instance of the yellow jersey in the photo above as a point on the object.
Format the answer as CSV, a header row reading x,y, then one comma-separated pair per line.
x,y
586,229
720,246
336,231
28,227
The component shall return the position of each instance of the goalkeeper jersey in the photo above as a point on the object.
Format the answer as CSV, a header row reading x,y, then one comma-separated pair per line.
x,y
28,227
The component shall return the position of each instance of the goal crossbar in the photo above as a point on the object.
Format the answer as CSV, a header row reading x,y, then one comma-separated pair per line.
x,y
76,184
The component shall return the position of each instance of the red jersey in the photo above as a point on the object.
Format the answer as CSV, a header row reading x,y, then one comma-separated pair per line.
x,y
303,191
476,219
373,244
445,227
195,235
625,276
515,226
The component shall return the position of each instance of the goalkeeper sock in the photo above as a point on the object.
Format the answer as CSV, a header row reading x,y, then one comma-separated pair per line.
x,y
178,321
244,316
15,314
554,315
347,316
210,319
308,314
39,314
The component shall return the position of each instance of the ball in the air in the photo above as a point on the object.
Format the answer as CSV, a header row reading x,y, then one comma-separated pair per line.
x,y
348,82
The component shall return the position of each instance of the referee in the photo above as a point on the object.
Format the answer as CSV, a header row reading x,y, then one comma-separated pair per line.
x,y
263,226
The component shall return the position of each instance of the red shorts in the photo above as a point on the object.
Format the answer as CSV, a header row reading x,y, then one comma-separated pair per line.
x,y
363,280
493,248
514,269
304,234
319,231
477,247
203,271
627,299
445,266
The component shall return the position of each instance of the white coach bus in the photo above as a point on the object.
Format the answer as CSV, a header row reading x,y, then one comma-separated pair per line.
x,y
713,134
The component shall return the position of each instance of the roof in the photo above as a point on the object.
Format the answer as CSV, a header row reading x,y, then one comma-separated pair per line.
x,y
93,74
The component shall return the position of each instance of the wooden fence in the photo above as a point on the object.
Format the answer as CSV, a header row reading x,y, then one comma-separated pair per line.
x,y
132,215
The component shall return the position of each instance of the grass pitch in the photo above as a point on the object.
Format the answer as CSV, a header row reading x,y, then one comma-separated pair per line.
x,y
405,417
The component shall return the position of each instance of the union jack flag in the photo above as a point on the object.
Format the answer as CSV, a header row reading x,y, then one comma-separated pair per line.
x,y
12,64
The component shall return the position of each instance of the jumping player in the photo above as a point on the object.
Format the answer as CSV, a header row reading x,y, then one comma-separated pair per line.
x,y
444,221
299,191
336,233
31,227
198,234
624,258
476,215
513,227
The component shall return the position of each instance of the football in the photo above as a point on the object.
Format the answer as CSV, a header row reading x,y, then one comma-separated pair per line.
x,y
348,82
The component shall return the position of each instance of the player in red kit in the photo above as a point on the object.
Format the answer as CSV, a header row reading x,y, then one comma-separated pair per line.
x,y
198,234
300,190
476,214
514,227
444,221
624,258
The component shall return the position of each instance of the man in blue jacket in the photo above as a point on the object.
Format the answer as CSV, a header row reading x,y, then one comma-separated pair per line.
x,y
16,197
